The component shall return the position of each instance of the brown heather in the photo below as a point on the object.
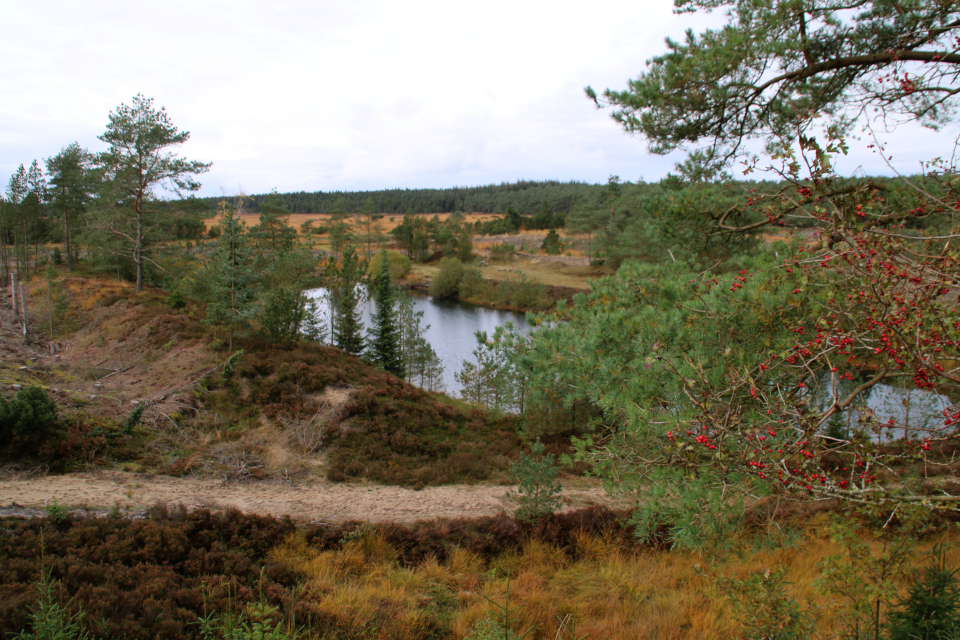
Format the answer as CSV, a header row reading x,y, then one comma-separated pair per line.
x,y
152,578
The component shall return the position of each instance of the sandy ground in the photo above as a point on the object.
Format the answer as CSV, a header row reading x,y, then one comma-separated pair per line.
x,y
317,501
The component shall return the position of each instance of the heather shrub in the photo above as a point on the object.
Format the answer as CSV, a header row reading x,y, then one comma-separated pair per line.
x,y
142,579
162,576
393,432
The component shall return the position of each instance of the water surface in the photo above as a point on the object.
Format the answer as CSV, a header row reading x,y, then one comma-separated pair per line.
x,y
452,325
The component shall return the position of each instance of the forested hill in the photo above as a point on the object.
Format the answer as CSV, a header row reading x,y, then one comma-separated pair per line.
x,y
526,197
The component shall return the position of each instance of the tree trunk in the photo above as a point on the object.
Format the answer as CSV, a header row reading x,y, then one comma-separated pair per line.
x,y
13,293
66,234
876,620
23,309
50,303
138,250
3,246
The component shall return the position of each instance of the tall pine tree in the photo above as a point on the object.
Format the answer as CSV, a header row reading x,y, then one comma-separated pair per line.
x,y
384,337
345,298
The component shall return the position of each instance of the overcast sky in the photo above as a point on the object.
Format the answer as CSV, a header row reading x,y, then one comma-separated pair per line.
x,y
357,95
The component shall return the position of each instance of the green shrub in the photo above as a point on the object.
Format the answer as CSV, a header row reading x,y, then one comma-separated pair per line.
x,y
51,620
399,265
551,244
27,421
256,622
499,623
446,284
538,493
176,299
58,513
763,608
524,292
931,609
502,252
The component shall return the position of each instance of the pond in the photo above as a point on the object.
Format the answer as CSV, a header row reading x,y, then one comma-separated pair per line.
x,y
452,327
913,410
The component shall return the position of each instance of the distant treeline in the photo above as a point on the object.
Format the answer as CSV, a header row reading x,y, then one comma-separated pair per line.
x,y
526,197
654,221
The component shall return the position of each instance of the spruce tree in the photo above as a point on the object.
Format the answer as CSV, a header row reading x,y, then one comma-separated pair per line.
x,y
385,336
931,609
345,299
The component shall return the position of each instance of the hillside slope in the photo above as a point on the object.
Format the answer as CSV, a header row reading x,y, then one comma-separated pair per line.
x,y
278,411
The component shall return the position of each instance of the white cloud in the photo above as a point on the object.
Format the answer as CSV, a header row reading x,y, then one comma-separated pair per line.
x,y
332,95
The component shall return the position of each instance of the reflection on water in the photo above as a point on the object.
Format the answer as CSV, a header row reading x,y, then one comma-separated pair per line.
x,y
452,325
909,407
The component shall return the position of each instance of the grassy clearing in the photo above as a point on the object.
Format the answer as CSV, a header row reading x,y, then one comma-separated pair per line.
x,y
553,273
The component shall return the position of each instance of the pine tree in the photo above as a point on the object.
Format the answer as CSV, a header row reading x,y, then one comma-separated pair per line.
x,y
6,209
339,232
385,336
72,183
494,379
273,236
232,278
345,299
420,361
34,206
17,190
551,244
139,160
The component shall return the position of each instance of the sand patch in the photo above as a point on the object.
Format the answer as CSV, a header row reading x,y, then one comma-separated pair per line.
x,y
318,500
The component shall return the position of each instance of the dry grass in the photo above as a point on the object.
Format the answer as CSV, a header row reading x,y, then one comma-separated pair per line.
x,y
553,273
615,592
387,223
539,269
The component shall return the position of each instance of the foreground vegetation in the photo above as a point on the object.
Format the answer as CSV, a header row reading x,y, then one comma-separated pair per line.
x,y
581,574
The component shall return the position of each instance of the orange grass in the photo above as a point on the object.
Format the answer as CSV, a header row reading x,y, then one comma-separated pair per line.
x,y
386,224
615,592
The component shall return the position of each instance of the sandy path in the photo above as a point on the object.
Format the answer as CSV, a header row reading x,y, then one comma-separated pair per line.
x,y
317,501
